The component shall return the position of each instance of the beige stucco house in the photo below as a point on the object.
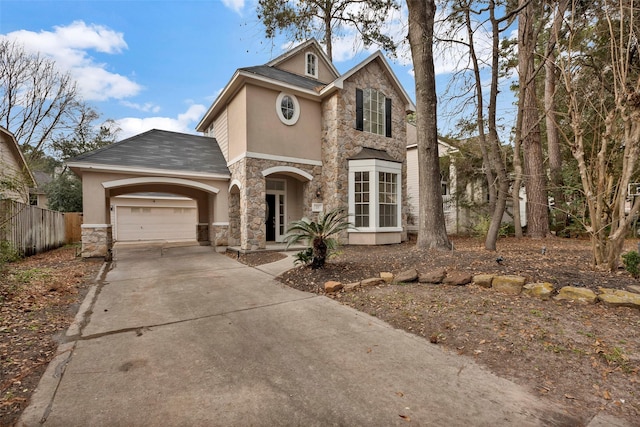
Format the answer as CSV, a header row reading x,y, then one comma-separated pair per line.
x,y
15,176
283,140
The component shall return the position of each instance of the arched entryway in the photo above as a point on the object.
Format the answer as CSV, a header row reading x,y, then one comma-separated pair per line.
x,y
286,189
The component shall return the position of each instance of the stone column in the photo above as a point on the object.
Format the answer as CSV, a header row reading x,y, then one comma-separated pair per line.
x,y
97,241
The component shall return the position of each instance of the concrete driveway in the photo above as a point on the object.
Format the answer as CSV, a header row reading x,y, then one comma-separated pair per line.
x,y
186,336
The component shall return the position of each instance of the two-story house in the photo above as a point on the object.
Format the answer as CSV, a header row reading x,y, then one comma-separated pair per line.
x,y
288,139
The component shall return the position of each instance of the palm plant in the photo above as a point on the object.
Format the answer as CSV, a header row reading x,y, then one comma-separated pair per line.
x,y
320,235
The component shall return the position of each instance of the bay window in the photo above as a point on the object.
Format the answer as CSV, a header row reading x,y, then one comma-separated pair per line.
x,y
375,195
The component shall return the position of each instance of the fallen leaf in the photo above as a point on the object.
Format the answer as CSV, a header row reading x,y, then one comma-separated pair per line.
x,y
405,417
399,393
568,396
606,395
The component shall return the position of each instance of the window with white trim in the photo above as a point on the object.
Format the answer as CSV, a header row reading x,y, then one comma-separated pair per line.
x,y
311,65
373,112
387,199
287,108
375,200
361,199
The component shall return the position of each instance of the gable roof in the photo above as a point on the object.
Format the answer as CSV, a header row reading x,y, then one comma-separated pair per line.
x,y
294,51
158,150
379,57
17,153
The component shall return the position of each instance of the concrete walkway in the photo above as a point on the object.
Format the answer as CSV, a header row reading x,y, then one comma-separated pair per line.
x,y
186,336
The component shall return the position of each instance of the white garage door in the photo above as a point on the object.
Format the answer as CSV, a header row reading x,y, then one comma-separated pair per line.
x,y
155,223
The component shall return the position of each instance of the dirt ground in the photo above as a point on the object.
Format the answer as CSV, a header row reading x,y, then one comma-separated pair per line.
x,y
583,357
39,297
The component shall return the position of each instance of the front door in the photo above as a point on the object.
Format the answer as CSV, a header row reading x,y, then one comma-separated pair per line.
x,y
270,221
275,222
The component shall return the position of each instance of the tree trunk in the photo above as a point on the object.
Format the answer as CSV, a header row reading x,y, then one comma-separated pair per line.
x,y
553,139
490,144
495,148
535,181
431,230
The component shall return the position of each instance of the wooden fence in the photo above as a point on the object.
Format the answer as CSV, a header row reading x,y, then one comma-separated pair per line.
x,y
30,229
73,227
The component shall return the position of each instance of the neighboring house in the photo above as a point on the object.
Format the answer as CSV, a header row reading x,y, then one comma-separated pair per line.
x,y
448,184
283,140
38,196
464,195
15,176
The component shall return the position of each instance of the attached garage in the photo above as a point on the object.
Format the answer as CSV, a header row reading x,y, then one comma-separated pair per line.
x,y
153,217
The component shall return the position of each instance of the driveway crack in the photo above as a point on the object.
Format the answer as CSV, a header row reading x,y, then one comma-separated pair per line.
x,y
139,330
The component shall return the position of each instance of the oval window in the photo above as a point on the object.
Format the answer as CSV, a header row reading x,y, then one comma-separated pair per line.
x,y
287,108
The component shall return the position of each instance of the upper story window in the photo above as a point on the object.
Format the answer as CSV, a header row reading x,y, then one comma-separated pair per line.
x,y
311,65
287,108
373,112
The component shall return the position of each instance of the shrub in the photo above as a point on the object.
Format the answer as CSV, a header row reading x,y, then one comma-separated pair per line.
x,y
632,263
319,236
303,257
8,253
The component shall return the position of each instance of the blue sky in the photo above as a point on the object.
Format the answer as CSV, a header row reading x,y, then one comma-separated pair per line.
x,y
161,63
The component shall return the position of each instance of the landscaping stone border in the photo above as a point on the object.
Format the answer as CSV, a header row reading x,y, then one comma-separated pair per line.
x,y
507,284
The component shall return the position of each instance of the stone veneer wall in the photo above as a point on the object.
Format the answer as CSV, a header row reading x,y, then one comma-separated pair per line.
x,y
233,237
340,139
253,193
97,241
219,235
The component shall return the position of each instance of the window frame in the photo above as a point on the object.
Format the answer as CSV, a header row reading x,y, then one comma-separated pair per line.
x,y
374,167
296,109
311,58
383,115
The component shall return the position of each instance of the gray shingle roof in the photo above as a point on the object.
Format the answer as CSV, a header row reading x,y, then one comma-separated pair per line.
x,y
159,149
372,153
284,76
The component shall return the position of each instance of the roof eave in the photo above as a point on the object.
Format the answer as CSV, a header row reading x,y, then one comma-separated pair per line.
x,y
80,167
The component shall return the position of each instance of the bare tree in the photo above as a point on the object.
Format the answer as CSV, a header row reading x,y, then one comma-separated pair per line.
x,y
478,16
431,229
302,19
36,100
605,84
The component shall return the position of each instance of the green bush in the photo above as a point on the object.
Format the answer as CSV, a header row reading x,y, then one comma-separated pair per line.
x,y
632,263
303,257
481,228
8,253
320,236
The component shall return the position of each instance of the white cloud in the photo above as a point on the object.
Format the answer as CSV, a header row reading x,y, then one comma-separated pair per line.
x,y
68,46
147,107
235,5
185,122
